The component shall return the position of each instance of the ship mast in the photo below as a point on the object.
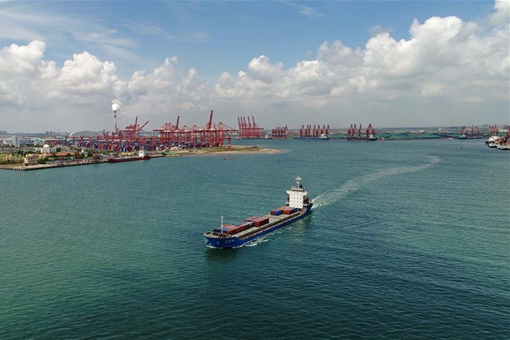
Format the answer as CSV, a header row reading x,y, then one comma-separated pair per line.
x,y
221,225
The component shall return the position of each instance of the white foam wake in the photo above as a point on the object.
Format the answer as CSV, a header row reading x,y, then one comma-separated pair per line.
x,y
357,183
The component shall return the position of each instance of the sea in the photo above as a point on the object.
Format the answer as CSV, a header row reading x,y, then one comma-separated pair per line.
x,y
407,240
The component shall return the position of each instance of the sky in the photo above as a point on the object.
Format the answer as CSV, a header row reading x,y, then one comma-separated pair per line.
x,y
64,64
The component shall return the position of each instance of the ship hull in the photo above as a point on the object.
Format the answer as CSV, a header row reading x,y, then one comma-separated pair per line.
x,y
236,242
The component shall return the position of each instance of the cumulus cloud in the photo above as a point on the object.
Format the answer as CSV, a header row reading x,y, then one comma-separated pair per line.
x,y
461,64
444,57
28,82
22,60
376,29
501,14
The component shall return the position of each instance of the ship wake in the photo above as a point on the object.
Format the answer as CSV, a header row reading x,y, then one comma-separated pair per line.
x,y
355,184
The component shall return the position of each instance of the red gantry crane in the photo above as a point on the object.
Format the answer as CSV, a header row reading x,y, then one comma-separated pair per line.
x,y
208,135
249,129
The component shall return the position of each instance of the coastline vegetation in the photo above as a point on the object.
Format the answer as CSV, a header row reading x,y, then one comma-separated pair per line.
x,y
13,157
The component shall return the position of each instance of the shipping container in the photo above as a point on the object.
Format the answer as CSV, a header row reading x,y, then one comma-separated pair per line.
x,y
289,210
276,212
250,219
237,229
261,221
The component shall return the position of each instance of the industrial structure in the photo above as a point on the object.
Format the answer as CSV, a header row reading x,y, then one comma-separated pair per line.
x,y
315,132
467,133
352,132
131,138
279,132
494,131
208,135
249,129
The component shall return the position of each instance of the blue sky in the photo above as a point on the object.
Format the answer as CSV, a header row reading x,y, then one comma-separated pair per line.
x,y
224,36
294,63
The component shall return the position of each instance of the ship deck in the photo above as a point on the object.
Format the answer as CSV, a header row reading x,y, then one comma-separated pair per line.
x,y
273,220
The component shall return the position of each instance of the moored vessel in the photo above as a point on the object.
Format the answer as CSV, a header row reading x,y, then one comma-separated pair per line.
x,y
322,136
298,206
369,138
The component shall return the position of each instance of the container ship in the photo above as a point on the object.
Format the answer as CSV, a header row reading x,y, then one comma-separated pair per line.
x,y
297,207
142,156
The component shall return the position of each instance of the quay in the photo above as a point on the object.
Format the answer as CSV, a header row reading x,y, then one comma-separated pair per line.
x,y
51,166
22,167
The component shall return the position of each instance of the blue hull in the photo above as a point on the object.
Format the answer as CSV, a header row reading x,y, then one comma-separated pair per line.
x,y
234,242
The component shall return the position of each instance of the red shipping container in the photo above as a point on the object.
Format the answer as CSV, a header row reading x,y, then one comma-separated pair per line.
x,y
287,211
237,229
260,221
250,219
225,228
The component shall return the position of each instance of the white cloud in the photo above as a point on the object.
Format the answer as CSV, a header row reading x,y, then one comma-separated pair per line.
x,y
263,70
377,29
501,14
305,10
460,64
21,60
446,52
431,90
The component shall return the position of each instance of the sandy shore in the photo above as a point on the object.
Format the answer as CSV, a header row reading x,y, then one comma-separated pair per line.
x,y
222,151
176,153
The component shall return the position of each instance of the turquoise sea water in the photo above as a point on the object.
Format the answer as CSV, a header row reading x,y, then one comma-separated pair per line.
x,y
408,240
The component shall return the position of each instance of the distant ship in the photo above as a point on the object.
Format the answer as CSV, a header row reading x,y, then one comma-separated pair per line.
x,y
142,156
355,134
369,138
233,236
322,136
492,139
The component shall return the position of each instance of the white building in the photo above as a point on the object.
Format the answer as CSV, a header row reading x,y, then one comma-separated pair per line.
x,y
47,150
14,141
31,159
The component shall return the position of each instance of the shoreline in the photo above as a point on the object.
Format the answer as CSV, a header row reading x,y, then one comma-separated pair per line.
x,y
221,151
176,153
